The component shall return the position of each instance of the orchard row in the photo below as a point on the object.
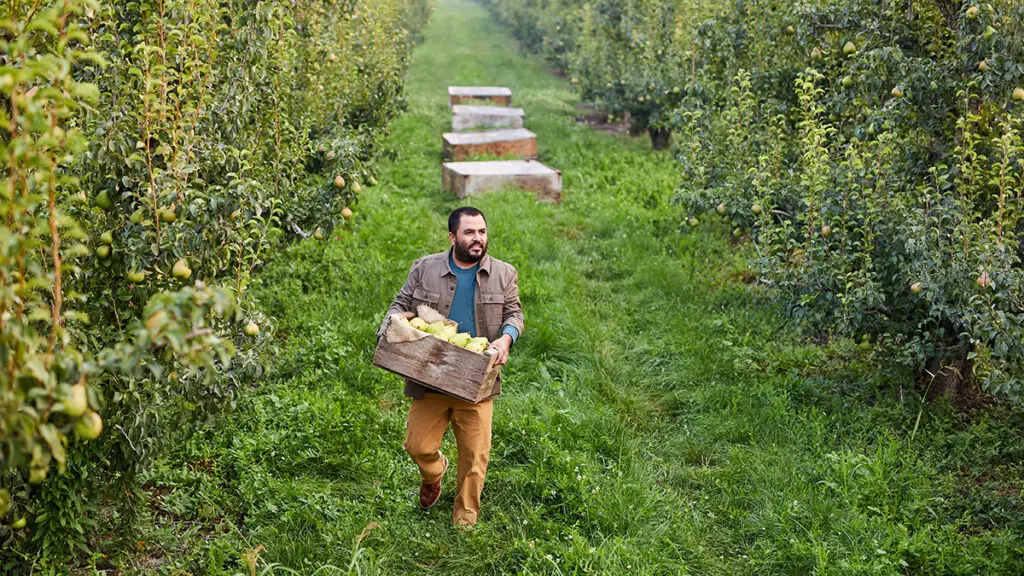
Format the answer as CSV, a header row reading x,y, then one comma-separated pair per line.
x,y
156,153
871,151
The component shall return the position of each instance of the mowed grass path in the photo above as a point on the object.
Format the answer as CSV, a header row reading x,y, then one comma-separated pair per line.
x,y
657,417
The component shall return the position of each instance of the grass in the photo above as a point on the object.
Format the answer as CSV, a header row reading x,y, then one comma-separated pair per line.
x,y
660,415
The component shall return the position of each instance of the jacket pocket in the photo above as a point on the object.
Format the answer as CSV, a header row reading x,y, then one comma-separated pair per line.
x,y
421,296
492,304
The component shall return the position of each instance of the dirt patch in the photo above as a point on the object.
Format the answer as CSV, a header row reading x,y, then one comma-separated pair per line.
x,y
599,119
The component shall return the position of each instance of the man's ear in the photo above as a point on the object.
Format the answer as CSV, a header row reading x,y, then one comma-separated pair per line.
x,y
451,238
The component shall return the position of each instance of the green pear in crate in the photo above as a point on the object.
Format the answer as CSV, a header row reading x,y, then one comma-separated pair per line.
x,y
477,344
446,330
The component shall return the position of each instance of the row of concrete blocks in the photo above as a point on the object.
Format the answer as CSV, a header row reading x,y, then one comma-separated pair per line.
x,y
494,130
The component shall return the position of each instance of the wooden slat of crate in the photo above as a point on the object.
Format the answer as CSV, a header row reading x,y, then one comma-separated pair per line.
x,y
497,94
470,178
465,117
440,365
511,143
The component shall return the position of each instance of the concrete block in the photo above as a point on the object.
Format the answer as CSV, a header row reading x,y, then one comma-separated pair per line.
x,y
497,94
466,117
469,178
511,143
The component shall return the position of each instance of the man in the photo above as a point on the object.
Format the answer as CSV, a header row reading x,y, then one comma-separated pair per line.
x,y
481,293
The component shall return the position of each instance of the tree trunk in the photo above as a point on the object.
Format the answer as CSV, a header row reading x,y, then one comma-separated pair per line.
x,y
661,138
946,377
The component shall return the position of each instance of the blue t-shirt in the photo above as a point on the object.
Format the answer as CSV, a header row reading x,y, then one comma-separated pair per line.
x,y
463,310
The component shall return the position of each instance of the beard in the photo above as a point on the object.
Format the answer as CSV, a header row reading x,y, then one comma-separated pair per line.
x,y
465,253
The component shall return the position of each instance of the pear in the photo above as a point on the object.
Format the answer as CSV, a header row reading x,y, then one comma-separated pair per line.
x,y
37,475
434,328
441,336
89,426
156,320
849,48
77,401
181,269
476,347
103,200
418,323
460,339
251,329
168,215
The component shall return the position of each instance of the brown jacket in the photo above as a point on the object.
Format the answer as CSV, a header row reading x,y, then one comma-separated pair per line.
x,y
432,282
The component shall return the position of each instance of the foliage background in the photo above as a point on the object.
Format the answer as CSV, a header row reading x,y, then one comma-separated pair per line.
x,y
156,153
872,151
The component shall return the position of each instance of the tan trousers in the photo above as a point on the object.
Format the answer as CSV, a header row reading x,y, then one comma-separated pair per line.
x,y
428,419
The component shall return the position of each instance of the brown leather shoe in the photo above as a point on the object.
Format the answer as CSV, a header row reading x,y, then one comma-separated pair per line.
x,y
431,493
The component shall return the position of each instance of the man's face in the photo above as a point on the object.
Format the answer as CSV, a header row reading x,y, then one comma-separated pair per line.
x,y
470,239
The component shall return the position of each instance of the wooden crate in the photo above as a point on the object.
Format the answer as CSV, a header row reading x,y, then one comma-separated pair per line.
x,y
509,143
440,365
471,178
465,117
461,94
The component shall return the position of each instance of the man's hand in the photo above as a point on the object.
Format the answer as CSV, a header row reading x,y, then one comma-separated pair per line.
x,y
501,346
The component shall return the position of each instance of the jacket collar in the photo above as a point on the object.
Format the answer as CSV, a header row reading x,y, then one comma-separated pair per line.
x,y
485,263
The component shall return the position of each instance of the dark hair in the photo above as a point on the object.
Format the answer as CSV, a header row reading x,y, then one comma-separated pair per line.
x,y
455,218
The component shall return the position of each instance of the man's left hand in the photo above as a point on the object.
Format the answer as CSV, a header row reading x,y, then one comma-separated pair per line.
x,y
501,346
